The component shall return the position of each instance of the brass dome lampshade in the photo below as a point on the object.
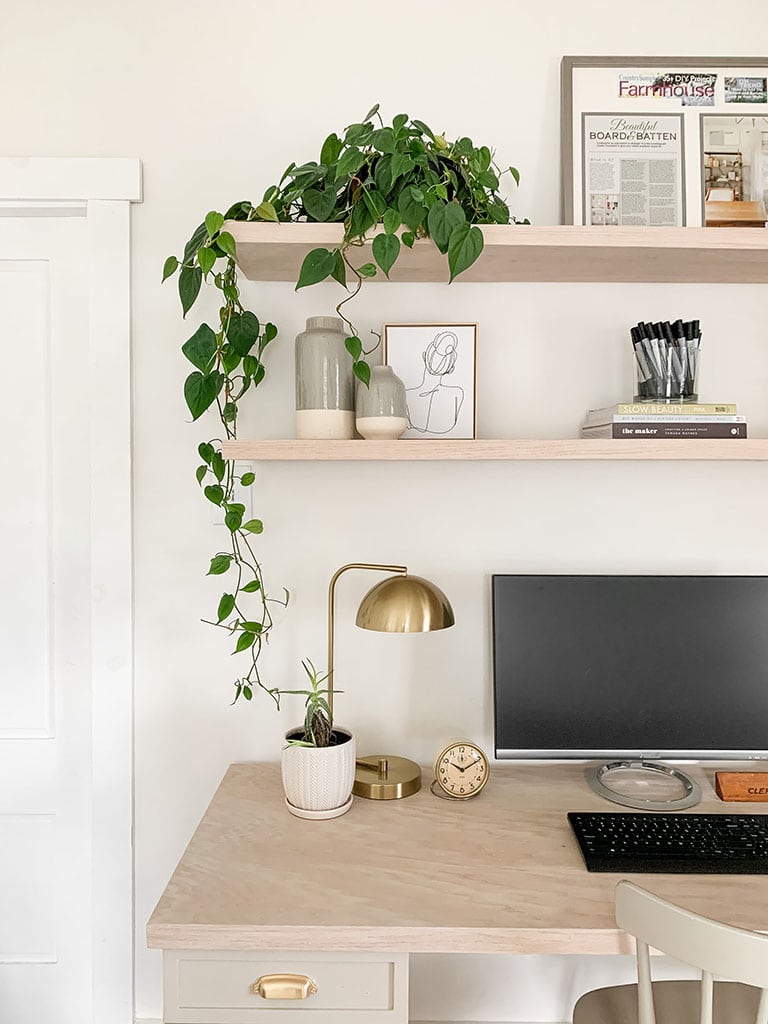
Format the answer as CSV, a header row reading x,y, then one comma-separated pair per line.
x,y
399,604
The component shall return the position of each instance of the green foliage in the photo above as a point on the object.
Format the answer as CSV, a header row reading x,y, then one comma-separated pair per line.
x,y
318,721
397,183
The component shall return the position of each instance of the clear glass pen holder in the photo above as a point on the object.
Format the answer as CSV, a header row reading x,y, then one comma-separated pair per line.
x,y
667,373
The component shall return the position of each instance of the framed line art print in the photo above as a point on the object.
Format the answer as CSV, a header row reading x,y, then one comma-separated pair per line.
x,y
438,365
665,141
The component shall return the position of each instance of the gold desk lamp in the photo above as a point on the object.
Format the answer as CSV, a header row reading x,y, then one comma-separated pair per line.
x,y
398,604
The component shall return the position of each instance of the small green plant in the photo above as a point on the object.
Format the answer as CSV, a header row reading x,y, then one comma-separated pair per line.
x,y
399,182
318,721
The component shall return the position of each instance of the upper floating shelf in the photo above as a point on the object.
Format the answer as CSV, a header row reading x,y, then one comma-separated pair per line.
x,y
274,252
679,450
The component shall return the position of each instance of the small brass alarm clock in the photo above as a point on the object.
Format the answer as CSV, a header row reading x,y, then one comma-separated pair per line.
x,y
461,771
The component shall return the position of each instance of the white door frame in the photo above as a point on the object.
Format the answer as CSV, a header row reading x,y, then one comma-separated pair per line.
x,y
102,190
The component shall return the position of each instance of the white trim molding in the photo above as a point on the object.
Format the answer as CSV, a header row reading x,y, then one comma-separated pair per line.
x,y
102,189
43,178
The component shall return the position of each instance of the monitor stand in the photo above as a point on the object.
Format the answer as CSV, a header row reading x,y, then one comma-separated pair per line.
x,y
598,777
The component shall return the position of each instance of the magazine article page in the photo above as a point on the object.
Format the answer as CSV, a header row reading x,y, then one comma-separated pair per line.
x,y
633,170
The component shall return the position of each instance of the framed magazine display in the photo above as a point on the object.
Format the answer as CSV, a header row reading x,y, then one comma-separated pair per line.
x,y
665,141
438,365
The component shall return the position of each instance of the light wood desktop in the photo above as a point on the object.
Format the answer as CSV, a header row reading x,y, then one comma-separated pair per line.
x,y
498,874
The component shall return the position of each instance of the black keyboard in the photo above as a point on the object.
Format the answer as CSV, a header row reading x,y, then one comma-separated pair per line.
x,y
718,844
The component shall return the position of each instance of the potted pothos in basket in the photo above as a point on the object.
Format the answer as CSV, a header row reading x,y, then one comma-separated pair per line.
x,y
318,760
401,183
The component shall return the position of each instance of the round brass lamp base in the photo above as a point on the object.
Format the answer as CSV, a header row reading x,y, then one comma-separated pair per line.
x,y
384,777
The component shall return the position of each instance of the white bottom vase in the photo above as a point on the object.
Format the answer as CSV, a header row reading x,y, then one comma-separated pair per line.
x,y
381,428
318,779
325,424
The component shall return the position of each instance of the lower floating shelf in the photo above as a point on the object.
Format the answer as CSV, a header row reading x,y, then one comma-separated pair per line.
x,y
737,450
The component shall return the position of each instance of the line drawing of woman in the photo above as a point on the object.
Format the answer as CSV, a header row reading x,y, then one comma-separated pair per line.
x,y
434,406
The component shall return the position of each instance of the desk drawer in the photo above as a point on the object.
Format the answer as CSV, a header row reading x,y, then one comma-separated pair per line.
x,y
206,987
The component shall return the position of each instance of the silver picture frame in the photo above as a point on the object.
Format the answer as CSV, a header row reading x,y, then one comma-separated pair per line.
x,y
682,77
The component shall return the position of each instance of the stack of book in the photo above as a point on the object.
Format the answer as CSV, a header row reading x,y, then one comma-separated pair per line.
x,y
660,420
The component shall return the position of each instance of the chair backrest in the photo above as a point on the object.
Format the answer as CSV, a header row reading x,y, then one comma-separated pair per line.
x,y
733,954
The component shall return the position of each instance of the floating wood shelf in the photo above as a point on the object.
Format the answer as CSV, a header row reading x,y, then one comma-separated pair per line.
x,y
510,450
274,252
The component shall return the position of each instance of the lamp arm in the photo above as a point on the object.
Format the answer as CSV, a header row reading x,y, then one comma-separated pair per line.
x,y
401,569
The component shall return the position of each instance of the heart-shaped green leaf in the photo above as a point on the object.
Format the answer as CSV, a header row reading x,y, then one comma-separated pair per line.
x,y
442,220
244,641
391,221
206,451
465,246
206,258
339,272
349,163
200,391
329,154
213,223
214,493
411,210
199,235
243,332
190,279
266,211
386,249
362,371
319,204
318,264
169,267
232,520
384,140
226,604
201,348
226,243
219,565
354,346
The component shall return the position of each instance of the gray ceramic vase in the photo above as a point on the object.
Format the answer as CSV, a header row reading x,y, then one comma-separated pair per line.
x,y
325,389
380,407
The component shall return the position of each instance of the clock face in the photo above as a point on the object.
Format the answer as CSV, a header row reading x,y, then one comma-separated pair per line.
x,y
461,770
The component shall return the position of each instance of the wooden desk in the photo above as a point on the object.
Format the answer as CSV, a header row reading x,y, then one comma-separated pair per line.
x,y
498,874
734,215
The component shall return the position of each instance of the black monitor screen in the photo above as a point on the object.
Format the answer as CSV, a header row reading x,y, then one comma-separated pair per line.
x,y
630,665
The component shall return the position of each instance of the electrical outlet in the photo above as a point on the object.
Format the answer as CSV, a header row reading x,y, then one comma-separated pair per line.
x,y
242,495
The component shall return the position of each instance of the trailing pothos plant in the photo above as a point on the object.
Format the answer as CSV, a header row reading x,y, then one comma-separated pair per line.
x,y
396,182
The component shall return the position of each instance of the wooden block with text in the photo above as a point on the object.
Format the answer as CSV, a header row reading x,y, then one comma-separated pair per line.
x,y
738,786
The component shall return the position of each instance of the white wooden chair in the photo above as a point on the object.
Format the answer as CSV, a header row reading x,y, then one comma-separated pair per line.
x,y
737,956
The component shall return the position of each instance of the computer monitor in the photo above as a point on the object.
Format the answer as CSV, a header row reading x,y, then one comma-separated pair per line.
x,y
630,666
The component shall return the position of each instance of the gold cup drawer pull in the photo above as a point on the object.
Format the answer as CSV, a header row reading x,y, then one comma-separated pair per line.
x,y
284,986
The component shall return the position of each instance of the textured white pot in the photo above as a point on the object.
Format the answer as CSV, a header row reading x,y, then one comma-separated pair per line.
x,y
319,778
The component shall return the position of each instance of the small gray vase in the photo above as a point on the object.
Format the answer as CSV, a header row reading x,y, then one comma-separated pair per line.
x,y
380,408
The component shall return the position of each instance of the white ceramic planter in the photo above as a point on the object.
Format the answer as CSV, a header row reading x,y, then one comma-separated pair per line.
x,y
318,780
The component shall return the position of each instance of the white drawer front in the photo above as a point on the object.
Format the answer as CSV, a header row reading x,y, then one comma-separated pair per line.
x,y
216,988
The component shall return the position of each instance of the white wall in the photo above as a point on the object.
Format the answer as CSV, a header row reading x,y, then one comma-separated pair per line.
x,y
217,99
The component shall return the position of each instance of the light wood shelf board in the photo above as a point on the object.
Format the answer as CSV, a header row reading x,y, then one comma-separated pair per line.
x,y
274,252
498,450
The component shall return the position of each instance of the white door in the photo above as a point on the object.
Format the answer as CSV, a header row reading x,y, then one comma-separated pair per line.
x,y
49,906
